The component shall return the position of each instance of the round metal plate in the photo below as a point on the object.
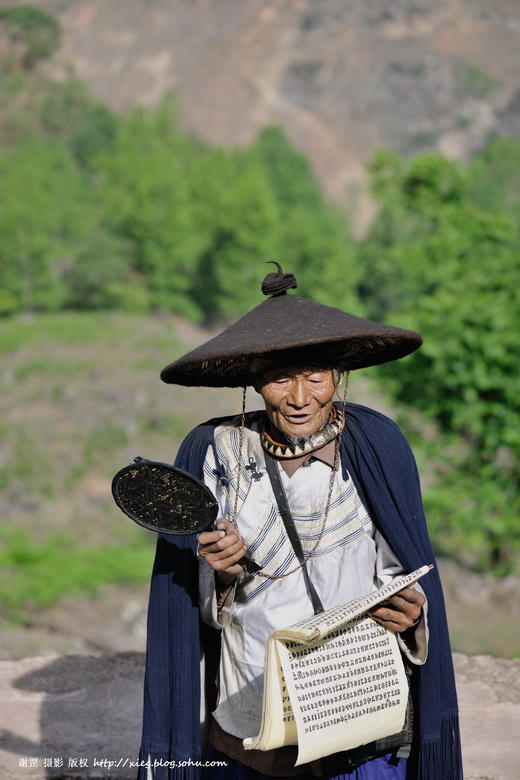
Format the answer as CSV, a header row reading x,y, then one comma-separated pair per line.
x,y
163,498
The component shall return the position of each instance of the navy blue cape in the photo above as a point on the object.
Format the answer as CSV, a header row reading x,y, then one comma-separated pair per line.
x,y
378,458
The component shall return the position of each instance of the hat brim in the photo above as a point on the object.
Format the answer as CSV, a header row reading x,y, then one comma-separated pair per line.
x,y
292,329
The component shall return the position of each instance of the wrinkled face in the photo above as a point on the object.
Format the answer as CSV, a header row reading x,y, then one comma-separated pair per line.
x,y
298,400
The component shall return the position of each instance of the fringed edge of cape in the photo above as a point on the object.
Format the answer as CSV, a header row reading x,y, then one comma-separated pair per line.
x,y
163,765
441,758
437,759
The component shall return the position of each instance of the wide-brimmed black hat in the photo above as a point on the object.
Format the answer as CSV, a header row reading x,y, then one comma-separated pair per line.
x,y
293,330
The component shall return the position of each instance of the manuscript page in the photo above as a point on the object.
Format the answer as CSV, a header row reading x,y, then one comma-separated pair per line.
x,y
320,625
346,690
334,681
278,721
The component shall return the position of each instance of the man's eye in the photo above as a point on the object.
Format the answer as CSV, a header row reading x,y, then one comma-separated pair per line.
x,y
276,380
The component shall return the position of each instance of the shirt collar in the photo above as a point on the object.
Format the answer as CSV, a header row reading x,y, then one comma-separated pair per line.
x,y
325,454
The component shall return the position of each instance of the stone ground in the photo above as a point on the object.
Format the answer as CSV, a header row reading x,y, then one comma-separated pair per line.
x,y
77,717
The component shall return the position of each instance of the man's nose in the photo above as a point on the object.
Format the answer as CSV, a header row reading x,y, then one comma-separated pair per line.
x,y
299,395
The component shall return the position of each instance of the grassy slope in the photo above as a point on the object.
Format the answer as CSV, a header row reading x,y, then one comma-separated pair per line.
x,y
80,396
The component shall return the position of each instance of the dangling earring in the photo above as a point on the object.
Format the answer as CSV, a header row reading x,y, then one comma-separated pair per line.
x,y
240,448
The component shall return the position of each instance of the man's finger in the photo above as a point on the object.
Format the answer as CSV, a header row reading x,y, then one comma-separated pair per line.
x,y
410,595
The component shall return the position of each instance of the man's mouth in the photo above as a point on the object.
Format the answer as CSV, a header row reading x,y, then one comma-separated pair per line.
x,y
298,419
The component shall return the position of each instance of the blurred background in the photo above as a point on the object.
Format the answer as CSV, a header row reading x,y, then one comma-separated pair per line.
x,y
154,154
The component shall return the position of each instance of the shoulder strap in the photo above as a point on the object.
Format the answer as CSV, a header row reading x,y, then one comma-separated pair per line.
x,y
292,533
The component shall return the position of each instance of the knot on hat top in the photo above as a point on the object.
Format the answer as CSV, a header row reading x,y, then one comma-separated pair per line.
x,y
278,283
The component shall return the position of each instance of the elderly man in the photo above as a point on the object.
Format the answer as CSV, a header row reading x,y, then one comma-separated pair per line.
x,y
325,498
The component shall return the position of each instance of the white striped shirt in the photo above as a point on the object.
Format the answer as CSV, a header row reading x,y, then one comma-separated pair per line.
x,y
351,560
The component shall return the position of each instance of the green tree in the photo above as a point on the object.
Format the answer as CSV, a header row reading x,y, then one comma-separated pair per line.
x,y
100,277
70,115
494,182
237,216
452,271
263,203
41,218
407,248
314,238
33,28
288,170
142,191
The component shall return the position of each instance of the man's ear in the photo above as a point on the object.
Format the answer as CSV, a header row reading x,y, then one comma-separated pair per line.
x,y
256,377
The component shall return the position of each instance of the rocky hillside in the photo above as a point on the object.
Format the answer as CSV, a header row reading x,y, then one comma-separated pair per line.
x,y
342,79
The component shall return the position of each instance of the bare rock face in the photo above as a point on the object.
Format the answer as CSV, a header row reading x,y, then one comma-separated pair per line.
x,y
78,717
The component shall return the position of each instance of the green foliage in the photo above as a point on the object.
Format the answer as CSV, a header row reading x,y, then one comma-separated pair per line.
x,y
201,223
35,575
437,262
314,239
40,219
105,212
99,213
71,115
142,188
81,396
59,328
494,182
423,182
96,277
475,81
238,218
288,170
38,31
8,303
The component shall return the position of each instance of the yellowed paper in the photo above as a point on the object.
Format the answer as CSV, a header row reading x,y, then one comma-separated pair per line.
x,y
345,690
334,681
278,722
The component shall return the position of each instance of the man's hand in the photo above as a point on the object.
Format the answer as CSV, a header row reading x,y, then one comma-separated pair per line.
x,y
400,612
221,549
